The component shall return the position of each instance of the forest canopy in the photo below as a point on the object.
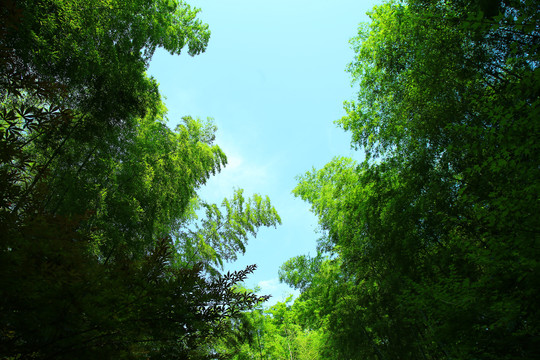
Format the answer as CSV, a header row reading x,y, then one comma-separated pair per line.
x,y
428,248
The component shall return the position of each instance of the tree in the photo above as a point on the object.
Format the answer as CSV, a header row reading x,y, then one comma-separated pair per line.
x,y
90,58
437,231
61,302
95,185
221,236
275,333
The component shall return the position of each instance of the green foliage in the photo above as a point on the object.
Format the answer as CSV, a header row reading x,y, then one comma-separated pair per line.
x,y
275,333
63,303
221,235
94,186
435,236
298,272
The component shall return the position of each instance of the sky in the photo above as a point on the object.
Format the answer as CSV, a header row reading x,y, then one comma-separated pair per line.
x,y
273,79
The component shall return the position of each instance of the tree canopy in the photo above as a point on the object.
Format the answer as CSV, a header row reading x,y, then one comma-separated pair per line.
x,y
428,249
430,246
99,194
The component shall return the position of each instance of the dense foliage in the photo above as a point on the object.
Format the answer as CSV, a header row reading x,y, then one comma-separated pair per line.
x,y
98,256
430,248
272,333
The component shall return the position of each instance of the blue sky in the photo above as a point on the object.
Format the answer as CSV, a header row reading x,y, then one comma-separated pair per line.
x,y
273,78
